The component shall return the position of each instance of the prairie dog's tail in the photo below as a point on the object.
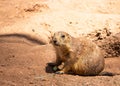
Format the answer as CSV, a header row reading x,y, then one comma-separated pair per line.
x,y
108,74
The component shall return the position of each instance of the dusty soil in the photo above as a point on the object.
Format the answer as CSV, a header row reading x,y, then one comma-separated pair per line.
x,y
23,63
26,29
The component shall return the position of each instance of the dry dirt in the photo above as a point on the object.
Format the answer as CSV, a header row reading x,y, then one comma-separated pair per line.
x,y
25,32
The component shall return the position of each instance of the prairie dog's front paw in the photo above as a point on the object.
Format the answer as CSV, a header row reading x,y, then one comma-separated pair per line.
x,y
59,72
60,67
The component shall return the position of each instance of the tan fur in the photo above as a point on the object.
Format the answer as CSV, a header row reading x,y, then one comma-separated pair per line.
x,y
79,55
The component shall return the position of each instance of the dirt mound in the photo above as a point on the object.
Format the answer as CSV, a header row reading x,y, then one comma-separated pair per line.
x,y
109,42
111,46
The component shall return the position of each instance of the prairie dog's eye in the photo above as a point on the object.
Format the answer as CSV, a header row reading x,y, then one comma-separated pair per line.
x,y
63,36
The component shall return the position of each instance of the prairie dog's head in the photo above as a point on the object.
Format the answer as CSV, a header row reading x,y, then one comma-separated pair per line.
x,y
61,38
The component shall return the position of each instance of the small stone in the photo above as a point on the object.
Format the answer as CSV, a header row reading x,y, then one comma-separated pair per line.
x,y
55,68
31,83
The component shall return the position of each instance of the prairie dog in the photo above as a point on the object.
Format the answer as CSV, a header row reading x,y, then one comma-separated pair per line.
x,y
79,55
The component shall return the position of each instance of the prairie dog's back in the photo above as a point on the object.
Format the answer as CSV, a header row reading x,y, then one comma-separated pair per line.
x,y
89,55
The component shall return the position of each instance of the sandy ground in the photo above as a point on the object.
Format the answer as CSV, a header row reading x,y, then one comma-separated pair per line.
x,y
23,63
26,28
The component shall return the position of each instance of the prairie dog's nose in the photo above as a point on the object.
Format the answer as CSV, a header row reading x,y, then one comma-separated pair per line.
x,y
55,41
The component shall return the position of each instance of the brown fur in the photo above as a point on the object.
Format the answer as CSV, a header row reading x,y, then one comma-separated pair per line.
x,y
79,55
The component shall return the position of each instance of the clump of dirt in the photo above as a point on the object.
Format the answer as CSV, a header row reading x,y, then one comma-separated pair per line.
x,y
108,42
36,8
99,34
111,46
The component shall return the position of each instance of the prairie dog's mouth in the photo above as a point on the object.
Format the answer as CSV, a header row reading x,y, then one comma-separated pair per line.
x,y
55,43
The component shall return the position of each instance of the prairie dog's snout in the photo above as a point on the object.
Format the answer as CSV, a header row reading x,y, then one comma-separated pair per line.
x,y
55,42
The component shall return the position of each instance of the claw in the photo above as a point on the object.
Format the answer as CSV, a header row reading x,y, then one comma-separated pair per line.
x,y
59,72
